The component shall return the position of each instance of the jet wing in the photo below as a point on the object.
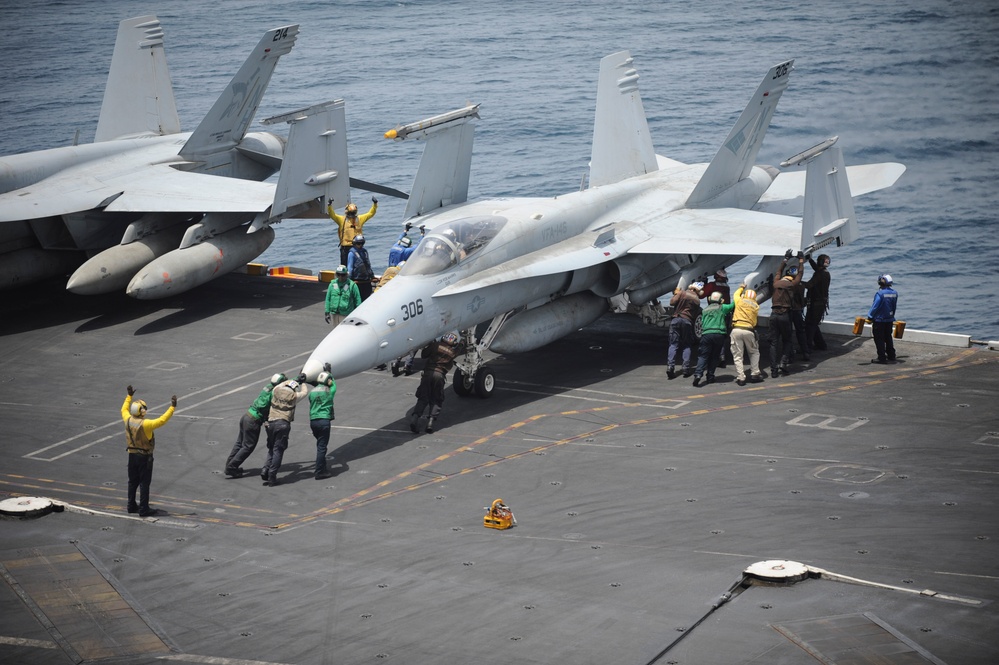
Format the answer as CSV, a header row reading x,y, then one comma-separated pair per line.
x,y
722,231
587,249
160,188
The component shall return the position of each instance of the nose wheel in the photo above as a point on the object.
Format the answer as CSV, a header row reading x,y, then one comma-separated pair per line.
x,y
481,384
471,376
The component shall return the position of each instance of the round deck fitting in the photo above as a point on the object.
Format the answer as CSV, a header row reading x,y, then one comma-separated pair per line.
x,y
26,506
778,571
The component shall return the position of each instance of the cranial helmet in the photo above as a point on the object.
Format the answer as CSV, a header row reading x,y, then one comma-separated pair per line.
x,y
749,294
278,378
720,274
885,279
406,242
325,379
451,338
696,285
715,297
138,408
351,209
341,270
359,240
792,271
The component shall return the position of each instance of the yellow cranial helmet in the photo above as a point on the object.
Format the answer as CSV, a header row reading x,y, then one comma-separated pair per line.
x,y
138,408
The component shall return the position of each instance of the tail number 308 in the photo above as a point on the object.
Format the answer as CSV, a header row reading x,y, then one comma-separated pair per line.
x,y
413,309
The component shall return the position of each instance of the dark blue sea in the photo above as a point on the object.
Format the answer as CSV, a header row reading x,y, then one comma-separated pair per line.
x,y
913,81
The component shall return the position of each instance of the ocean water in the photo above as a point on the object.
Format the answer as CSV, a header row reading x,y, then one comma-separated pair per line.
x,y
912,81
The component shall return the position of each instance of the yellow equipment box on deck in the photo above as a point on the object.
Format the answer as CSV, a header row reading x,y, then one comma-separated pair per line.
x,y
498,516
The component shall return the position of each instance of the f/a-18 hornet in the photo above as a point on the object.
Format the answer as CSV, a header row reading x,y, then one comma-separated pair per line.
x,y
158,211
538,268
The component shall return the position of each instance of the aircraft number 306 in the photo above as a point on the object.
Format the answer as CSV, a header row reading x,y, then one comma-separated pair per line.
x,y
781,70
412,310
280,34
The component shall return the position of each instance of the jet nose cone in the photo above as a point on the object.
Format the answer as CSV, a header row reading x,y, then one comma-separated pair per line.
x,y
349,349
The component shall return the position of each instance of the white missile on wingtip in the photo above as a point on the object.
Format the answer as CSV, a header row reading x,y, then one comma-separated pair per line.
x,y
184,269
814,151
417,130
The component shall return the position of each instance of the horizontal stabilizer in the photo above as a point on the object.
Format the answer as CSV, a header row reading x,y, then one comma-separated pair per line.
x,y
622,146
863,178
587,249
234,110
138,98
721,231
737,155
315,160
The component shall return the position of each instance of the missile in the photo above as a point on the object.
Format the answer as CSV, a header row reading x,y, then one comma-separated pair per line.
x,y
184,269
814,151
112,269
543,325
424,127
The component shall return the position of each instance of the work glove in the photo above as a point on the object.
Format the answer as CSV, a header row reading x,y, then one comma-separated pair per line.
x,y
801,255
301,378
409,225
327,317
173,401
327,368
131,391
869,320
423,229
374,200
787,254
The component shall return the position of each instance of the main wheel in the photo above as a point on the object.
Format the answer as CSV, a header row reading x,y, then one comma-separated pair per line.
x,y
462,387
485,382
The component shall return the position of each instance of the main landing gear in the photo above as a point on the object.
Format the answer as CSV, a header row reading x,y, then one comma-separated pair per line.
x,y
471,376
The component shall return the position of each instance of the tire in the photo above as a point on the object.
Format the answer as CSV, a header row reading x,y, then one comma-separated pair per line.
x,y
461,389
485,382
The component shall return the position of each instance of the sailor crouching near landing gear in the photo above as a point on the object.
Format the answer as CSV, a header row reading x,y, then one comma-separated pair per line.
x,y
141,442
440,359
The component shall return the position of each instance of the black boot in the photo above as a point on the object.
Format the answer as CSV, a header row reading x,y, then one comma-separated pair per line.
x,y
430,425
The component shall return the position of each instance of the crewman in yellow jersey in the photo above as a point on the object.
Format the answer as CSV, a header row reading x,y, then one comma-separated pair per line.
x,y
349,224
141,442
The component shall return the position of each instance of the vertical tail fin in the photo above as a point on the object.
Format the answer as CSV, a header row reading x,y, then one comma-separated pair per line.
x,y
138,98
227,121
622,146
315,159
442,178
829,215
736,157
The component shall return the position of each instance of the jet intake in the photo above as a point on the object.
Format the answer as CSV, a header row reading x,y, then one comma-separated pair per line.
x,y
542,325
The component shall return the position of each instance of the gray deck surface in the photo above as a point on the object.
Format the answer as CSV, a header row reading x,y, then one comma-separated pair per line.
x,y
639,501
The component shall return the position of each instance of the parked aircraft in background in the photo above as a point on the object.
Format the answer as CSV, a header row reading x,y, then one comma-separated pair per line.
x,y
158,211
538,268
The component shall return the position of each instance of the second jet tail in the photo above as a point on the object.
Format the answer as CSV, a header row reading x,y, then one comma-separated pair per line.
x,y
227,121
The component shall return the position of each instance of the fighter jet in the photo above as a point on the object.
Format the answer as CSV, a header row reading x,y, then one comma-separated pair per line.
x,y
159,211
515,274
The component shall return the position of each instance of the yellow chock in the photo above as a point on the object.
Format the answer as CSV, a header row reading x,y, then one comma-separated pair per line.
x,y
499,516
858,324
899,329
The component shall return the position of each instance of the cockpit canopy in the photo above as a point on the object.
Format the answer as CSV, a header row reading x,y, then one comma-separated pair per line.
x,y
450,244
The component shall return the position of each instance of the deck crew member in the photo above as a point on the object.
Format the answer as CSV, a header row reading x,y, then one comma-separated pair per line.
x,y
249,428
141,442
686,306
781,346
320,415
744,335
359,267
283,401
713,334
440,358
350,224
818,302
342,297
881,317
